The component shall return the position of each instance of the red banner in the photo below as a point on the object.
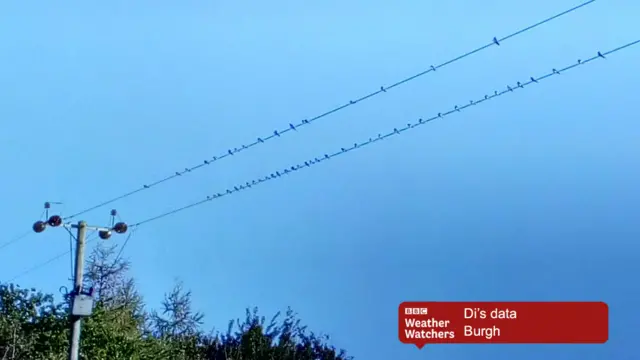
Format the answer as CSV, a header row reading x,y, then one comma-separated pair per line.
x,y
422,323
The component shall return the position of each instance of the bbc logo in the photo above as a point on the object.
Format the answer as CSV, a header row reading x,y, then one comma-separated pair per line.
x,y
416,311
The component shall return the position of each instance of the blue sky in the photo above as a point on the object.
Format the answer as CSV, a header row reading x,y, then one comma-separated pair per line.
x,y
531,196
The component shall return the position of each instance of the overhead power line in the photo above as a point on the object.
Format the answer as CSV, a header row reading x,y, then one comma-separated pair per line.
x,y
293,127
48,261
379,137
16,239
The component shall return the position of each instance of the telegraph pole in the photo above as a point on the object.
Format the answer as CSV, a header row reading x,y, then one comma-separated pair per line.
x,y
81,302
76,321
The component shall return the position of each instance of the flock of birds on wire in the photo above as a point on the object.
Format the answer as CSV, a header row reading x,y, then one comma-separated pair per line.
x,y
121,227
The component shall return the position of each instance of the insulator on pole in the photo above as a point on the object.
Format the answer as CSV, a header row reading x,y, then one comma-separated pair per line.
x,y
55,220
39,226
120,228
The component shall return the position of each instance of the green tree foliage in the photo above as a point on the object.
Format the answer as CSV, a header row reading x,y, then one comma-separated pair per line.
x,y
33,326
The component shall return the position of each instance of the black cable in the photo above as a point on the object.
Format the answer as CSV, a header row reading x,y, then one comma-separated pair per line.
x,y
20,237
395,131
292,127
126,241
15,239
47,262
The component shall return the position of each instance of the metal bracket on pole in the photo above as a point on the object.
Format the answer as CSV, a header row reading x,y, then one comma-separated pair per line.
x,y
81,302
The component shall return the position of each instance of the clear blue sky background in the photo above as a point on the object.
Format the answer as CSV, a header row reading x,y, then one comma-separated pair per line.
x,y
533,196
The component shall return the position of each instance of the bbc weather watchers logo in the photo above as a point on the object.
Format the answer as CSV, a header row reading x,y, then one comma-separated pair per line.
x,y
416,311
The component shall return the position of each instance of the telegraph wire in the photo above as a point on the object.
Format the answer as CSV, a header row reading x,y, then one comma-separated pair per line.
x,y
16,239
294,127
395,131
126,241
45,263
22,236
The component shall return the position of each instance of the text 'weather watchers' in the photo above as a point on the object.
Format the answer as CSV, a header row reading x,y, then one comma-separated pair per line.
x,y
422,323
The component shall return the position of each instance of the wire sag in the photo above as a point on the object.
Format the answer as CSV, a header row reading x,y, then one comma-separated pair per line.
x,y
380,137
291,127
396,131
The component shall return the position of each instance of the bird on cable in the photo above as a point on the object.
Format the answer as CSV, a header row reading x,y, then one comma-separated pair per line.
x,y
292,127
600,55
495,41
383,89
